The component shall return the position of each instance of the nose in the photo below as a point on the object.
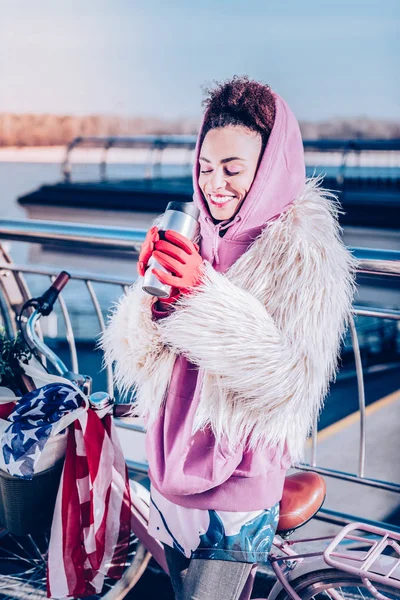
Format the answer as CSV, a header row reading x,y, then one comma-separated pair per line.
x,y
217,180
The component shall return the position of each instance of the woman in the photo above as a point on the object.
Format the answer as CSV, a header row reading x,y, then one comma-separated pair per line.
x,y
231,370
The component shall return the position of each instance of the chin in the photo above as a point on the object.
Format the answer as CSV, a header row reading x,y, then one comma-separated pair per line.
x,y
221,215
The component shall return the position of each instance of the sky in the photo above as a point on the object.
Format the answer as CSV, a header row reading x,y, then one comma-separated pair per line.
x,y
153,57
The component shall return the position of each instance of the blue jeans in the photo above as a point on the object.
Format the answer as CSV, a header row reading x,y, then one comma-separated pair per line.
x,y
203,579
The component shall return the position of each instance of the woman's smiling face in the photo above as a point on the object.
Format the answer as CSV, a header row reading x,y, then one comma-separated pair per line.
x,y
229,158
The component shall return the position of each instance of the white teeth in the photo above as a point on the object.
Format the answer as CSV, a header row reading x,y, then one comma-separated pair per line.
x,y
221,200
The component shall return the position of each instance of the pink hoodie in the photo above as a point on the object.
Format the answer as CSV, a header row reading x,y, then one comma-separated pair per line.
x,y
192,470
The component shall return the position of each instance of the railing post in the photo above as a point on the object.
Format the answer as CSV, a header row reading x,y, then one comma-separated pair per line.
x,y
361,397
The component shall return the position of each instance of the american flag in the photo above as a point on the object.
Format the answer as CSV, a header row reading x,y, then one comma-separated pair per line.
x,y
91,523
38,415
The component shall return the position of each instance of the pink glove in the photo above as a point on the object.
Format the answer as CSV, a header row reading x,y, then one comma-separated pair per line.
x,y
146,250
180,256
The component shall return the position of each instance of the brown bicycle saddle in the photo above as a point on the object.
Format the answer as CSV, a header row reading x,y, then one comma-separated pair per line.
x,y
303,495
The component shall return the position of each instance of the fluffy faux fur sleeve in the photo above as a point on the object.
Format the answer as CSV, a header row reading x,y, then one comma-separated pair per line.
x,y
269,330
228,332
133,344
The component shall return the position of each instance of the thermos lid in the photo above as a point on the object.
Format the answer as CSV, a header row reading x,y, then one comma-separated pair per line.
x,y
186,207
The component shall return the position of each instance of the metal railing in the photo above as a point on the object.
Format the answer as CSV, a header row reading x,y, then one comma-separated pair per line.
x,y
372,262
348,151
155,144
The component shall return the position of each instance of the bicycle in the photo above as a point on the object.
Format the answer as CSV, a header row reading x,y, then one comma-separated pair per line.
x,y
361,566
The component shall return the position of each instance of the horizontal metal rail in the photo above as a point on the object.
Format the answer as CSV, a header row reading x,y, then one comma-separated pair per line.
x,y
136,141
67,234
356,145
179,141
378,262
156,144
353,477
341,519
372,261
78,275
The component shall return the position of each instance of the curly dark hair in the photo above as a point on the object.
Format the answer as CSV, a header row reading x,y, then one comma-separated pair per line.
x,y
240,101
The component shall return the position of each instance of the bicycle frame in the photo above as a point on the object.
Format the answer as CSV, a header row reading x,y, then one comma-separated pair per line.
x,y
362,566
292,565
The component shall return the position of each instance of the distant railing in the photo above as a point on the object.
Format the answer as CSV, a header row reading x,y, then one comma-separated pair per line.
x,y
155,144
372,262
356,145
356,152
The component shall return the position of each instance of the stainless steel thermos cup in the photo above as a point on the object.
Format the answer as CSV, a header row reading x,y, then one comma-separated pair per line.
x,y
183,218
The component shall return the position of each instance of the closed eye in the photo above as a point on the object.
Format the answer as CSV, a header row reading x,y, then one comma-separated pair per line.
x,y
227,172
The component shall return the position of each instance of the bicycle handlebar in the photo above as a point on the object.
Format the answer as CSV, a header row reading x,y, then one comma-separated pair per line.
x,y
38,344
61,281
45,302
43,307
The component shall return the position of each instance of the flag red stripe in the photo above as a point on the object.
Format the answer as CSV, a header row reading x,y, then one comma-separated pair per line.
x,y
94,541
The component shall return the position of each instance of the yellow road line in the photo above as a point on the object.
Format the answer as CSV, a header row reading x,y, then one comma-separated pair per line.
x,y
327,432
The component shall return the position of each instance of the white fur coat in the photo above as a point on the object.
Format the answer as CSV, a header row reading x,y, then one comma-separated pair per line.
x,y
266,334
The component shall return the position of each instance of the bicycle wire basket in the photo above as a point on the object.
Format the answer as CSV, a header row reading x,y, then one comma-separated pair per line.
x,y
27,506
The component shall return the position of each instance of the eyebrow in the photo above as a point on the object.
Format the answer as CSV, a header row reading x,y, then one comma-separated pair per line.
x,y
224,160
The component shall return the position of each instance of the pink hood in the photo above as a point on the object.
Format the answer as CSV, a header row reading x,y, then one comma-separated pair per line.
x,y
279,179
